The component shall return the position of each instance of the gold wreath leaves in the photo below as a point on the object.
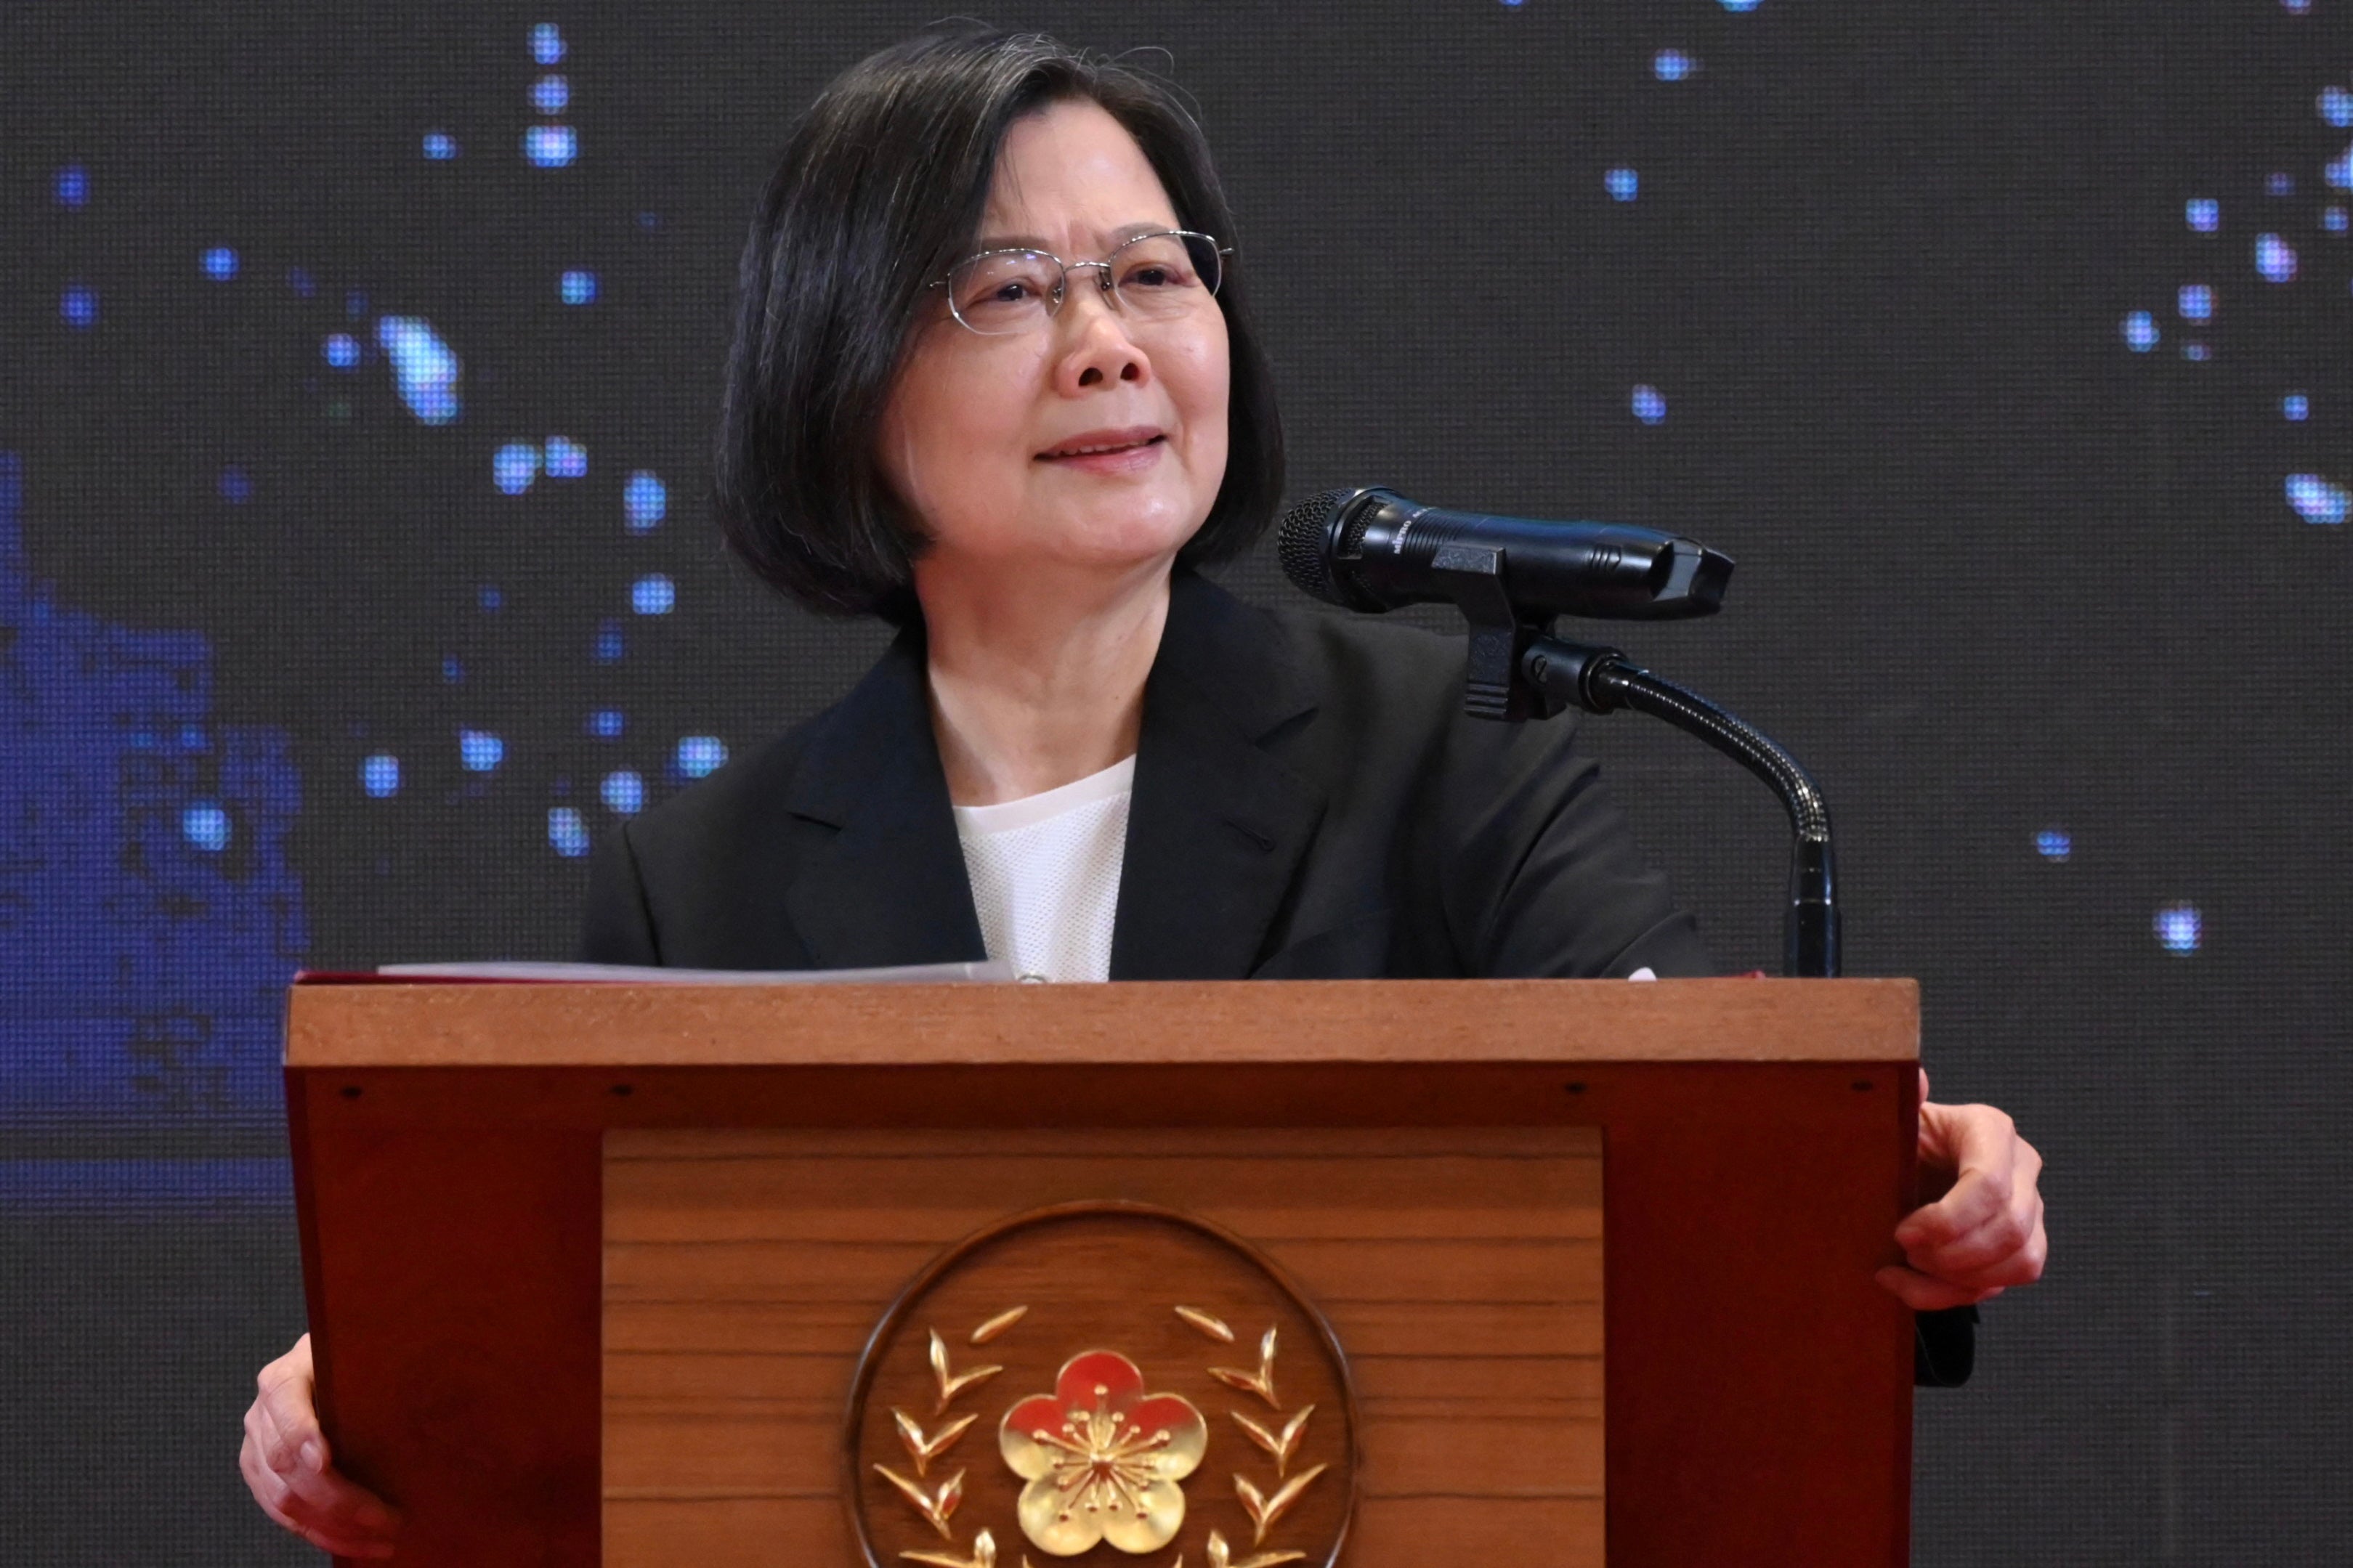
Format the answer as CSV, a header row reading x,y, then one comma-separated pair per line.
x,y
937,1508
923,1448
1222,1556
1282,1445
1264,1511
1261,1381
983,1555
952,1384
1208,1323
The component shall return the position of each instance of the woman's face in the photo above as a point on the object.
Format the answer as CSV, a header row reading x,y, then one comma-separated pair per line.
x,y
977,436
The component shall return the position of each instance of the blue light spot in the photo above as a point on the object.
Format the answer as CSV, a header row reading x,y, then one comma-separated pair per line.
x,y
2180,927
78,305
566,458
1624,185
355,304
206,826
2336,106
2196,302
2338,172
297,278
2296,7
2317,499
440,146
1740,5
2140,331
548,43
380,776
2280,184
644,500
551,146
606,723
2274,258
699,756
2295,407
340,349
567,834
72,186
2197,351
2053,844
2332,218
576,287
514,466
653,595
1649,407
608,642
220,263
423,366
648,221
549,94
490,598
478,750
452,672
2204,214
623,791
236,487
1673,65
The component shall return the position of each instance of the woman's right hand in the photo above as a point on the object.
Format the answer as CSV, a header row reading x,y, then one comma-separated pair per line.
x,y
291,1474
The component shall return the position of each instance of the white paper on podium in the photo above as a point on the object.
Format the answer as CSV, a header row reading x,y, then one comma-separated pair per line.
x,y
989,969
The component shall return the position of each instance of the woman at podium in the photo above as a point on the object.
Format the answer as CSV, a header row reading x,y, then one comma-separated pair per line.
x,y
995,379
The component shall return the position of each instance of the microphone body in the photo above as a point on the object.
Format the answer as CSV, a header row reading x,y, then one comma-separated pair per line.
x,y
1371,549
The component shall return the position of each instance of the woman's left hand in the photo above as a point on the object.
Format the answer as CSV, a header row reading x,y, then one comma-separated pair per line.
x,y
1984,1234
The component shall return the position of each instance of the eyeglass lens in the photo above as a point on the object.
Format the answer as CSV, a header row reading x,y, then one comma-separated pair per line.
x,y
1155,276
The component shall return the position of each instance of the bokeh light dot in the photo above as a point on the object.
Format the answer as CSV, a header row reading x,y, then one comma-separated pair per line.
x,y
206,826
340,349
514,466
609,647
72,186
425,369
2197,353
479,751
568,834
2336,106
2274,258
2203,214
606,723
2053,844
2295,407
220,263
2181,928
1650,404
644,500
548,43
653,595
236,485
551,146
699,756
624,791
380,776
78,305
576,287
439,146
1623,185
550,93
2195,302
2280,183
2318,499
566,458
1673,65
2140,331
2333,218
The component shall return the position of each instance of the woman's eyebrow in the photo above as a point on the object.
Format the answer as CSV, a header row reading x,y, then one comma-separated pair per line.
x,y
1034,242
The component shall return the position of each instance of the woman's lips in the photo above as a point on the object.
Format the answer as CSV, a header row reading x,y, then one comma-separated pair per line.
x,y
1101,457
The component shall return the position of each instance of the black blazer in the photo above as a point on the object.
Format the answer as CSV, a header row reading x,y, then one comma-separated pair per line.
x,y
1310,802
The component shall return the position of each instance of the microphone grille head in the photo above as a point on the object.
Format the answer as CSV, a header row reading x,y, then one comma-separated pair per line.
x,y
1304,544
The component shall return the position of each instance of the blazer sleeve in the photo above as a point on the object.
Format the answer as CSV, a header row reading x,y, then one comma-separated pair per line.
x,y
1539,872
618,927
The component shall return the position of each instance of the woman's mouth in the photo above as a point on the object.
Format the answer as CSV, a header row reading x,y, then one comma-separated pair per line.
x,y
1108,451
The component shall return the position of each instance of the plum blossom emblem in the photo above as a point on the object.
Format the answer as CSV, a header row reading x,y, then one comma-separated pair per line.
x,y
1103,1459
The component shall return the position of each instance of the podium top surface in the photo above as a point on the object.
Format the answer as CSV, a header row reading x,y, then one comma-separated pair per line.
x,y
452,1024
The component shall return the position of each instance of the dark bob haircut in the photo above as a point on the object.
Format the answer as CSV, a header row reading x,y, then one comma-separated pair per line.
x,y
881,190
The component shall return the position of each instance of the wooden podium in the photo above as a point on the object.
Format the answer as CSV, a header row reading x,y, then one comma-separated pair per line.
x,y
595,1270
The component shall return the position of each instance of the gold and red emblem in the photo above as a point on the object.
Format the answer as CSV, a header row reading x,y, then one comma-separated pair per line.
x,y
1097,1469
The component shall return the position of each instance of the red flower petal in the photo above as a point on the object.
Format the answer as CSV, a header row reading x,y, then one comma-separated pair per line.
x,y
1089,1370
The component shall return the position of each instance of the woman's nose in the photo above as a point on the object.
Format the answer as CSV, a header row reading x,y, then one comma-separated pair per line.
x,y
1099,348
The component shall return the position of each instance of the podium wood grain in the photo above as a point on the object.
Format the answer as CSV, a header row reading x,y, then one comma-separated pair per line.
x,y
1461,1272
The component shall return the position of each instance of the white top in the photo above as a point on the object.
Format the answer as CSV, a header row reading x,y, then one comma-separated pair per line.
x,y
1045,874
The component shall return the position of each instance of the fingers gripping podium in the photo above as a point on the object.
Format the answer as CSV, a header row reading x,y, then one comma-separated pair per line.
x,y
1365,1273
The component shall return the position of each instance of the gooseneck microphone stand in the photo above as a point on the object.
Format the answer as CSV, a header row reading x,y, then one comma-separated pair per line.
x,y
1602,680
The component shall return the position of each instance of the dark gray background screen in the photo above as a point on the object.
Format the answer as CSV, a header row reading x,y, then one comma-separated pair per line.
x,y
356,372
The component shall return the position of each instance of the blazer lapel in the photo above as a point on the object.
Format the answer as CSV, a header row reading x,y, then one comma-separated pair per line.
x,y
891,887
1216,826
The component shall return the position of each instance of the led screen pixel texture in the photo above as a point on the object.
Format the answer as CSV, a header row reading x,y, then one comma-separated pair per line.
x,y
356,576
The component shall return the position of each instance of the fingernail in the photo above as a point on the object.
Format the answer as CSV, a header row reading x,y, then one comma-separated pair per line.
x,y
313,1460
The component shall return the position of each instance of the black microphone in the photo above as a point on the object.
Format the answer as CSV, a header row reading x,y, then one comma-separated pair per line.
x,y
1371,549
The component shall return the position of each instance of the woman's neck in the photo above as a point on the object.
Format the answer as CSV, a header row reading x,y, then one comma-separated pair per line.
x,y
1036,681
